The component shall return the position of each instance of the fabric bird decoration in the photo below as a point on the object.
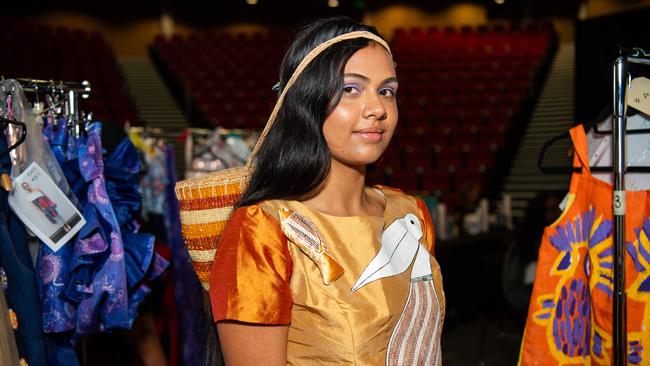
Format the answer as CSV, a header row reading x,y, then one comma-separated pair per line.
x,y
304,234
400,243
411,342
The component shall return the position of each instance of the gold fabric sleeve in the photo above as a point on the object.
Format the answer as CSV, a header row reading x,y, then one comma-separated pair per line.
x,y
249,281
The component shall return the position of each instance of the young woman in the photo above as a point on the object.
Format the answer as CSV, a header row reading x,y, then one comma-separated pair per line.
x,y
315,267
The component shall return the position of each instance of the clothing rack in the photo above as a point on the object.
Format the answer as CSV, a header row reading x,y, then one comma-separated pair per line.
x,y
621,79
84,88
69,90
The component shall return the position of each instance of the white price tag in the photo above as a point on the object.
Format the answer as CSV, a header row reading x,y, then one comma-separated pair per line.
x,y
639,95
43,208
619,203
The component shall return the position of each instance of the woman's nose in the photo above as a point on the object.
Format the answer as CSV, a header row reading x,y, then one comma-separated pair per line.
x,y
374,107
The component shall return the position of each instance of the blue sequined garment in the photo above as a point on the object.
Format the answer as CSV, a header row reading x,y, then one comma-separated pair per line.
x,y
97,281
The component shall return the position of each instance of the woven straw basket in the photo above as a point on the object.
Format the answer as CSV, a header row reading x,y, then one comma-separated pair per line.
x,y
207,202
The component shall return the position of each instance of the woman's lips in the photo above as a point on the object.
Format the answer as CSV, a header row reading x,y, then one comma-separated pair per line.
x,y
370,134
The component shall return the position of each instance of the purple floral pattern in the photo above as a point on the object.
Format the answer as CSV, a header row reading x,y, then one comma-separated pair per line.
x,y
96,282
584,264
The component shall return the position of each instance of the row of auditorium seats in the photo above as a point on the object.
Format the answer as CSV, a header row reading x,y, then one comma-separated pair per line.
x,y
462,94
462,90
498,41
228,77
64,54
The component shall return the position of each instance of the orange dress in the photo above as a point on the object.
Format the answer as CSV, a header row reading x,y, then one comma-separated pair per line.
x,y
570,312
353,290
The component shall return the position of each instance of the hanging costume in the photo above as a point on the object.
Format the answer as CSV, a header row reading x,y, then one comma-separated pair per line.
x,y
18,279
281,262
8,348
97,281
187,289
570,312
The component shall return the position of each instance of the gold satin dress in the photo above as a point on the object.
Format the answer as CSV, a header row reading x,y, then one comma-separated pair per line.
x,y
280,262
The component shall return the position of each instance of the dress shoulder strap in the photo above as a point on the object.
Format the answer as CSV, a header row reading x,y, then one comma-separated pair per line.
x,y
580,145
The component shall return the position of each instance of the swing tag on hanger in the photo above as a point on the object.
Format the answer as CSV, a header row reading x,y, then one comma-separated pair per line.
x,y
44,208
639,95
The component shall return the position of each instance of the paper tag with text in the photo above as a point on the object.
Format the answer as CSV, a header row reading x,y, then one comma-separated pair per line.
x,y
43,208
639,95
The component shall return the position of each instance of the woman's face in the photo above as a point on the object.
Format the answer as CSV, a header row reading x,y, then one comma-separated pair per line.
x,y
362,124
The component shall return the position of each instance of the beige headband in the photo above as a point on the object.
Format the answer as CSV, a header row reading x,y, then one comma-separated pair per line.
x,y
303,64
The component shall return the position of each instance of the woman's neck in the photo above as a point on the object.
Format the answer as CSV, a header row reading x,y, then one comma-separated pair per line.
x,y
344,193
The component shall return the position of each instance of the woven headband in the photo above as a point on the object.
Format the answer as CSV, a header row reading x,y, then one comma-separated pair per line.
x,y
303,64
206,203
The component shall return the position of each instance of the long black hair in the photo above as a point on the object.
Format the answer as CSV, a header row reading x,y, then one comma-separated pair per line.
x,y
294,158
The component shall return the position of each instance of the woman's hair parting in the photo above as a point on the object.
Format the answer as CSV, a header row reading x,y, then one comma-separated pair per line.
x,y
294,158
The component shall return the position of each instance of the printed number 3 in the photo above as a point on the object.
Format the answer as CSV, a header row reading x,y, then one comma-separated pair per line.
x,y
619,203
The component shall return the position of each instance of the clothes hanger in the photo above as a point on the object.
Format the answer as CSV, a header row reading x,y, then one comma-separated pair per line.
x,y
5,179
568,170
6,119
5,122
587,126
594,123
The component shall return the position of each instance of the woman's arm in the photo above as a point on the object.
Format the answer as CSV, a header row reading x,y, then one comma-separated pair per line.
x,y
251,344
250,291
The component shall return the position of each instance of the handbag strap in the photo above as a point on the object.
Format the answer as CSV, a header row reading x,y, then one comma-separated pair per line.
x,y
303,64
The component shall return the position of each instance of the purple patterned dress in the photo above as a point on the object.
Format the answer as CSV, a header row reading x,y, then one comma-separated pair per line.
x,y
97,281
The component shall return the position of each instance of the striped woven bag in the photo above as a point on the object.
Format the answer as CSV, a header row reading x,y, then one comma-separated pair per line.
x,y
207,202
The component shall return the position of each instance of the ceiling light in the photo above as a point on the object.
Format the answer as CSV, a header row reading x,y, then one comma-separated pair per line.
x,y
500,2
332,3
251,2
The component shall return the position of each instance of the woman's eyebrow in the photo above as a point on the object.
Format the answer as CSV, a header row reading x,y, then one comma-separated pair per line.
x,y
358,76
391,79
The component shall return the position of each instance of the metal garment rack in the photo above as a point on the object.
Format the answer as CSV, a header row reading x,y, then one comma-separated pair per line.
x,y
35,85
619,121
71,90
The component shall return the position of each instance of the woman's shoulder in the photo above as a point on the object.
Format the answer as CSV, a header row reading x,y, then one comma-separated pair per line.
x,y
265,212
403,202
397,195
399,203
254,223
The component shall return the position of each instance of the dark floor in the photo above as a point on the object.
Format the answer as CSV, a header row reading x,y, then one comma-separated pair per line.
x,y
482,327
488,340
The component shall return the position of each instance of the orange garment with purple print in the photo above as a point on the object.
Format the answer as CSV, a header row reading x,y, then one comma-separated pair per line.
x,y
570,313
281,262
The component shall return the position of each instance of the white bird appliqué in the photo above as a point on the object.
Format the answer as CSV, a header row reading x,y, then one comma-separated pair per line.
x,y
414,341
400,244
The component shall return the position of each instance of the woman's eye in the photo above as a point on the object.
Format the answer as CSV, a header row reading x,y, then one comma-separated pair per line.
x,y
388,92
350,89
